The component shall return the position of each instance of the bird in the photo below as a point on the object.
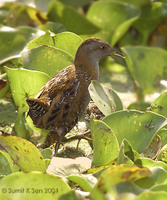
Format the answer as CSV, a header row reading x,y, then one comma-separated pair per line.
x,y
60,103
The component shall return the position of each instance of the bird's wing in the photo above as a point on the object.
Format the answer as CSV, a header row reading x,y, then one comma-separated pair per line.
x,y
53,92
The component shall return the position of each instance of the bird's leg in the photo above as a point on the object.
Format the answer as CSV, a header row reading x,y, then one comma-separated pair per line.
x,y
59,139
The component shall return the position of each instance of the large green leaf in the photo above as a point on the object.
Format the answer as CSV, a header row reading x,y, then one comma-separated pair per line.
x,y
24,153
105,98
68,42
114,18
21,82
159,105
105,143
143,69
13,40
60,41
70,18
45,39
137,127
34,185
24,83
53,59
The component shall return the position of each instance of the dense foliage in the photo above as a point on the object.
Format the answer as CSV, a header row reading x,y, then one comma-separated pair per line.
x,y
39,38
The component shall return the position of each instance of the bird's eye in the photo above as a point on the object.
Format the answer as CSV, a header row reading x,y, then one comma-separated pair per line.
x,y
103,47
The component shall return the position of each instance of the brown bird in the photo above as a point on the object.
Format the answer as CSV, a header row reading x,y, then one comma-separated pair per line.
x,y
62,100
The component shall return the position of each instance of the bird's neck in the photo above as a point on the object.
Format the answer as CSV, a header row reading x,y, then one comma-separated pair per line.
x,y
87,65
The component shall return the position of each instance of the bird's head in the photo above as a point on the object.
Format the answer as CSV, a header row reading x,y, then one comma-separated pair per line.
x,y
96,48
90,52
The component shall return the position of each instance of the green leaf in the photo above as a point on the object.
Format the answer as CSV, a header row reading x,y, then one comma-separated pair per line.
x,y
122,191
159,105
52,26
105,98
143,69
114,18
7,164
137,127
105,143
60,41
19,126
66,15
34,185
7,112
147,162
21,82
139,105
121,173
53,59
13,40
119,179
72,194
4,167
163,134
3,196
96,169
162,156
47,162
24,153
154,148
127,155
159,175
122,29
47,153
153,195
81,181
45,39
126,189
136,2
160,187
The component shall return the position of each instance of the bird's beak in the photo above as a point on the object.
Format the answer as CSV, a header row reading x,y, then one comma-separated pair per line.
x,y
114,52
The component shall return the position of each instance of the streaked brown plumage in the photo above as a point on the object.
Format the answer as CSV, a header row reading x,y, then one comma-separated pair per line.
x,y
62,100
